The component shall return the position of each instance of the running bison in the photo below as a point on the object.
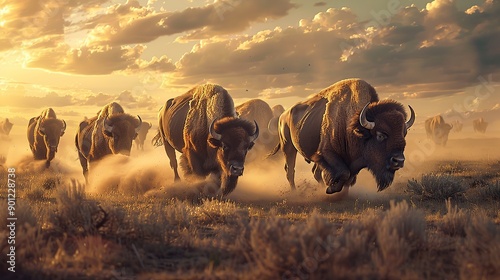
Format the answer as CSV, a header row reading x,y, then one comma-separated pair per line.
x,y
437,130
259,111
110,132
141,135
479,125
273,123
5,127
44,133
457,126
343,129
203,125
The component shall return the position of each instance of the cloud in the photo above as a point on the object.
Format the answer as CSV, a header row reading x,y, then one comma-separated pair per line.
x,y
30,96
94,60
418,52
126,98
23,21
131,23
16,96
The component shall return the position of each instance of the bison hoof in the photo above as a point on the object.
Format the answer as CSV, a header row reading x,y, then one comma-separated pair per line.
x,y
47,164
333,189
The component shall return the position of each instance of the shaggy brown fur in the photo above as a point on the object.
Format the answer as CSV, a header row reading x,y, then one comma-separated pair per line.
x,y
44,133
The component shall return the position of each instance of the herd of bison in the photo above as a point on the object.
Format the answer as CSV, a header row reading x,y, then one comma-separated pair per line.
x,y
340,130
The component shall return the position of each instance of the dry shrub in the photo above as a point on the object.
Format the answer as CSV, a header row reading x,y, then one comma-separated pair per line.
x,y
74,213
479,255
275,246
436,187
491,191
400,233
455,221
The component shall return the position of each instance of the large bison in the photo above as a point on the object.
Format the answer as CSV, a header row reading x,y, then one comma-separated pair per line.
x,y
343,129
44,133
259,111
141,135
203,125
110,132
479,125
5,127
437,130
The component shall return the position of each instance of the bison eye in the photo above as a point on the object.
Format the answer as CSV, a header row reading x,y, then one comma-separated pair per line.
x,y
381,136
225,147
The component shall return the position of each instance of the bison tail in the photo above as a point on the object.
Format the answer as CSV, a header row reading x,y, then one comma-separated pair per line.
x,y
157,140
275,150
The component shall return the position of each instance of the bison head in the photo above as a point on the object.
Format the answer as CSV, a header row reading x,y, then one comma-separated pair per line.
x,y
382,126
232,137
51,130
121,130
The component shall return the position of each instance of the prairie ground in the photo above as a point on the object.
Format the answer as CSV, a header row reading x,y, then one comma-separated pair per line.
x,y
439,220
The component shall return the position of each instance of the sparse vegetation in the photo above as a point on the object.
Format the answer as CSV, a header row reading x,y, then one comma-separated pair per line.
x,y
69,233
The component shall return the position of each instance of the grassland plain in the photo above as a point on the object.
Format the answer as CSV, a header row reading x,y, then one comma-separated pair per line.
x,y
441,222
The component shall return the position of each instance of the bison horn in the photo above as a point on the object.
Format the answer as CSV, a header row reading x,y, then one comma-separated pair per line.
x,y
256,133
212,132
410,122
150,125
64,126
363,121
107,127
138,127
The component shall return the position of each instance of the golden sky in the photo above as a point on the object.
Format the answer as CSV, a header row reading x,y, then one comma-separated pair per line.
x,y
440,56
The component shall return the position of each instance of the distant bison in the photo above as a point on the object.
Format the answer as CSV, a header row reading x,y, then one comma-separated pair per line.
x,y
457,126
5,127
343,129
273,123
437,130
204,126
141,135
110,132
479,125
258,110
44,133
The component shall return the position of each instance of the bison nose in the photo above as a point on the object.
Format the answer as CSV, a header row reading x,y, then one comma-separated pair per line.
x,y
236,170
397,162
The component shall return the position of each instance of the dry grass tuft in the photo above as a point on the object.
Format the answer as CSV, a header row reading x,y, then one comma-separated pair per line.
x,y
478,256
437,187
455,221
74,213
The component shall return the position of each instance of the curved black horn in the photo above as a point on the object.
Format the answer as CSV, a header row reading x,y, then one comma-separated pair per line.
x,y
410,121
363,121
256,133
64,126
212,132
140,121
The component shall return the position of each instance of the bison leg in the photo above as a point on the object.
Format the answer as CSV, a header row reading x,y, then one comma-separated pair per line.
x,y
84,164
290,157
173,159
335,173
